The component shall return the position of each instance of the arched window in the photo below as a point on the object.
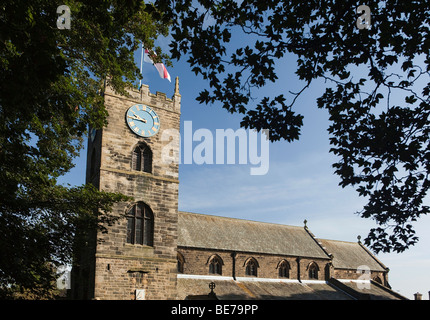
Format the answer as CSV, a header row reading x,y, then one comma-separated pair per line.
x,y
142,158
284,269
181,262
251,267
377,279
313,271
215,265
140,225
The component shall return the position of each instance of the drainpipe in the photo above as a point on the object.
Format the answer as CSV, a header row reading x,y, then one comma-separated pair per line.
x,y
298,269
233,271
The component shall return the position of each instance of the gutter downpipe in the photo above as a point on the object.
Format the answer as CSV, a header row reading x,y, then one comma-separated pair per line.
x,y
233,271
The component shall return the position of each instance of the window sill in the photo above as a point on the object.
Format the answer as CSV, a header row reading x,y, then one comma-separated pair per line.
x,y
140,246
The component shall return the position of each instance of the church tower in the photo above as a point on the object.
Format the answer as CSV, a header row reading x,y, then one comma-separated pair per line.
x,y
136,258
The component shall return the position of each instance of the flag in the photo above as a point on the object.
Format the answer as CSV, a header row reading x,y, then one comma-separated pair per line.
x,y
162,71
146,57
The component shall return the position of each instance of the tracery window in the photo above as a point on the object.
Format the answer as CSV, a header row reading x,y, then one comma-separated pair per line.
x,y
251,267
284,269
142,158
181,262
140,225
377,279
215,265
313,271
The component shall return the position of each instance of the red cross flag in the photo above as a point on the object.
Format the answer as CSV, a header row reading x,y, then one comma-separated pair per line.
x,y
162,71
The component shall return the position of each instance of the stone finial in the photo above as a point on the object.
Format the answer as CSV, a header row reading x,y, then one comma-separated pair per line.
x,y
177,85
212,286
305,222
359,238
177,96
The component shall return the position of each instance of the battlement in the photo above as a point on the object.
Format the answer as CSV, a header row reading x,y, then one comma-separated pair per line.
x,y
144,95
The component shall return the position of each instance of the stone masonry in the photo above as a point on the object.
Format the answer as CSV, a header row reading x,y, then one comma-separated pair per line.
x,y
110,268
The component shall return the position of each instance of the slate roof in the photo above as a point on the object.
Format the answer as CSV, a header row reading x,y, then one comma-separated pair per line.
x,y
260,290
371,291
221,233
267,289
351,255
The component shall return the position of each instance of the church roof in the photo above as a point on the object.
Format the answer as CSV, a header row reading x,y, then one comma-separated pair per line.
x,y
221,233
351,255
251,289
260,290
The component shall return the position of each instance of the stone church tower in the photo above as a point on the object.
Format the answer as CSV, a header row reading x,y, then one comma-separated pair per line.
x,y
136,258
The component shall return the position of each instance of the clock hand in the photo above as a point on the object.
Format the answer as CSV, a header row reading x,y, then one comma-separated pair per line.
x,y
138,118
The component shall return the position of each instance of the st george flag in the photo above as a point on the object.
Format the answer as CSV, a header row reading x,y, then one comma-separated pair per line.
x,y
162,71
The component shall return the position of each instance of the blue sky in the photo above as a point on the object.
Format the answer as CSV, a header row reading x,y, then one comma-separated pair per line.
x,y
300,183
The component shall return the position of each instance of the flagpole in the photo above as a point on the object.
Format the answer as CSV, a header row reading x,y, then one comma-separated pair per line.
x,y
141,60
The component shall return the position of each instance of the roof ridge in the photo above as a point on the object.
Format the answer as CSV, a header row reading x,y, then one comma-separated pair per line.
x,y
339,246
373,256
352,242
239,219
319,243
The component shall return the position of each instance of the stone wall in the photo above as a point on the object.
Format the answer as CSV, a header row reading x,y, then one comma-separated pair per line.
x,y
197,263
122,268
356,275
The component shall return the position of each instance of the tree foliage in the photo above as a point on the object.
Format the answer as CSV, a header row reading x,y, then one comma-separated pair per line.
x,y
377,91
51,84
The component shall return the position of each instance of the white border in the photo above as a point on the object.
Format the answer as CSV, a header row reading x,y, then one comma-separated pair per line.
x,y
203,277
256,279
354,280
250,279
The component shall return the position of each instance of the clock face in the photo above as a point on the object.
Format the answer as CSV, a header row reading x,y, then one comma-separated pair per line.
x,y
142,120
